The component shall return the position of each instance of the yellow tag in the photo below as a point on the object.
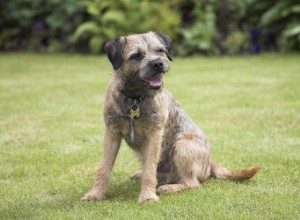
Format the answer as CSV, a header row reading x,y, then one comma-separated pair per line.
x,y
134,111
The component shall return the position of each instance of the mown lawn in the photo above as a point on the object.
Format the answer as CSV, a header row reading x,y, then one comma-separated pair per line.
x,y
51,131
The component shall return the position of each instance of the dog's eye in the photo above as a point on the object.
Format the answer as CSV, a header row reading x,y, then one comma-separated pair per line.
x,y
136,56
160,50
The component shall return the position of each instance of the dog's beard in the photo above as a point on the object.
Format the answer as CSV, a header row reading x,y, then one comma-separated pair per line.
x,y
150,78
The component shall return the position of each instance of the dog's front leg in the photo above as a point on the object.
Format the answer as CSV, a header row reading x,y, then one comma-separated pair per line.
x,y
148,178
111,147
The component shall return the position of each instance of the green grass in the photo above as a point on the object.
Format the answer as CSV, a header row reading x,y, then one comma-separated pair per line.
x,y
51,131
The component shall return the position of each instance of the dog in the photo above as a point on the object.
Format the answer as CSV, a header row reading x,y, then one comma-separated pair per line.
x,y
171,148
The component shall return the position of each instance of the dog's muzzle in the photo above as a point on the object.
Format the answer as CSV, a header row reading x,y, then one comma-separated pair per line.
x,y
156,70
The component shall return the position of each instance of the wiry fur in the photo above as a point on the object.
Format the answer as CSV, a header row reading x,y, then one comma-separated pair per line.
x,y
169,145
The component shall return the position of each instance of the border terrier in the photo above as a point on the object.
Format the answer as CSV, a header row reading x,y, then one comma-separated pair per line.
x,y
170,147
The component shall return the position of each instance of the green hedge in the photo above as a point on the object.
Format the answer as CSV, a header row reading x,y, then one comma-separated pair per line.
x,y
41,25
114,18
196,26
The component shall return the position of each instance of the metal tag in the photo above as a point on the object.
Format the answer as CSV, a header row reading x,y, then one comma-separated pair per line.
x,y
134,111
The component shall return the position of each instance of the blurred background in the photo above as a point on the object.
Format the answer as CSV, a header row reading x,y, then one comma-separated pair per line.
x,y
208,27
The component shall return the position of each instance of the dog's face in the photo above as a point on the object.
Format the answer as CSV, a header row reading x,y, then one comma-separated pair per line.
x,y
141,59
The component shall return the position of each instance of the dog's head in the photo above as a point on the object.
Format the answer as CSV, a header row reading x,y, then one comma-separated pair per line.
x,y
141,58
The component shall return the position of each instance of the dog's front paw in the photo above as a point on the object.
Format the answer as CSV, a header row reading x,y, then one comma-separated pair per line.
x,y
149,197
93,195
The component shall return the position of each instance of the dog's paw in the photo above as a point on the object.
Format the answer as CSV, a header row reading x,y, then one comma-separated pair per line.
x,y
136,176
165,189
148,198
93,195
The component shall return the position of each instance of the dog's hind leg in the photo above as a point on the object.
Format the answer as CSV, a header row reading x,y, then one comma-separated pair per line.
x,y
192,162
172,188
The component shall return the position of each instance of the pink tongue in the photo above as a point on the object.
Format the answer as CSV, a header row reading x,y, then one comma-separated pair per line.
x,y
155,80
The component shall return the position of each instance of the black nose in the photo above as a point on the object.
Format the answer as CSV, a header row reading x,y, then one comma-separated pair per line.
x,y
157,65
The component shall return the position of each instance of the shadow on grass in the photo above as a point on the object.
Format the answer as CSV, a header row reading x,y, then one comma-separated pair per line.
x,y
69,201
123,190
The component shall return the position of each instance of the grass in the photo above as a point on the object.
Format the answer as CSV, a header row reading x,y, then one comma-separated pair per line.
x,y
51,131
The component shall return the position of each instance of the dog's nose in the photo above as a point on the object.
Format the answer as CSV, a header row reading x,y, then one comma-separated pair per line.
x,y
157,65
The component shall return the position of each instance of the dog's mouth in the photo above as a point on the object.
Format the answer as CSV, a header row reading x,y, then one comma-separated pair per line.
x,y
154,82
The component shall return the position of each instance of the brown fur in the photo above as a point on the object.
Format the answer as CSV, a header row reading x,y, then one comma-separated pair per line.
x,y
171,148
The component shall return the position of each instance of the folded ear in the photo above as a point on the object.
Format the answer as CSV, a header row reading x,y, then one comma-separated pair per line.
x,y
166,40
114,50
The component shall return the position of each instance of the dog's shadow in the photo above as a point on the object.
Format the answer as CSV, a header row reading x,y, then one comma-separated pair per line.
x,y
123,190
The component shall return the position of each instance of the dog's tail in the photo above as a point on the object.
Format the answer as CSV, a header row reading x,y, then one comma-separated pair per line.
x,y
221,172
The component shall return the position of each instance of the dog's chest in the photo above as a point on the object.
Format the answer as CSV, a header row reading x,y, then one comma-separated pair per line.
x,y
136,124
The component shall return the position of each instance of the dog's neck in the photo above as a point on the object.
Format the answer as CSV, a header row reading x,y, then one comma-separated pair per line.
x,y
133,96
132,89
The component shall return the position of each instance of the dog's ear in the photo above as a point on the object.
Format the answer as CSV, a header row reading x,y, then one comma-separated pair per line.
x,y
166,40
114,50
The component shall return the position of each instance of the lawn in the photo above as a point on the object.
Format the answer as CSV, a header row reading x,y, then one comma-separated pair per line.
x,y
51,131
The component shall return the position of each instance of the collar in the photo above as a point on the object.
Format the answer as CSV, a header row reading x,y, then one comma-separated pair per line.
x,y
129,97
